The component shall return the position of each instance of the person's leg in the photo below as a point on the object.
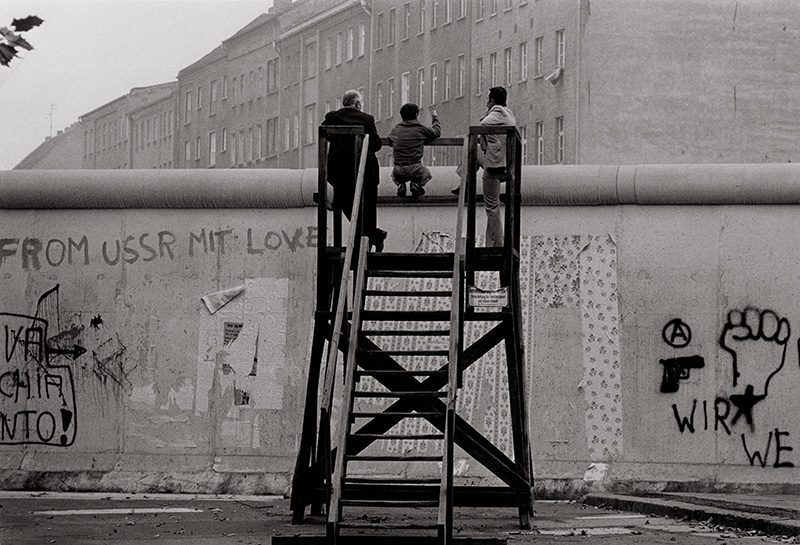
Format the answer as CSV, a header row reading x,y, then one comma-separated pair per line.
x,y
491,202
370,214
399,181
419,177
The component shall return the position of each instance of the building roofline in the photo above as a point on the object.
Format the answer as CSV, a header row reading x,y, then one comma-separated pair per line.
x,y
296,29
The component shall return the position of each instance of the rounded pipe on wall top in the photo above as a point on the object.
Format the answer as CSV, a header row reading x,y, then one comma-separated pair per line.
x,y
548,185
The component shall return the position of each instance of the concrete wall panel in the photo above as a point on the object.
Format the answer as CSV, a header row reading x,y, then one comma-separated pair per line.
x,y
161,393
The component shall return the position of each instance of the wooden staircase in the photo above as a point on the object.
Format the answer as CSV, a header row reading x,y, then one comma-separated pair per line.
x,y
403,366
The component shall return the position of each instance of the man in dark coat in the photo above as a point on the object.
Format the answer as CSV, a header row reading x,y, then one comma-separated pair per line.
x,y
342,167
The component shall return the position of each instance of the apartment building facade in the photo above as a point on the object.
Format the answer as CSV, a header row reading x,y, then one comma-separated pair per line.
x,y
152,126
612,82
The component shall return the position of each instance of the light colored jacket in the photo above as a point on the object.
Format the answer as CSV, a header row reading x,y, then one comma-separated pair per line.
x,y
494,145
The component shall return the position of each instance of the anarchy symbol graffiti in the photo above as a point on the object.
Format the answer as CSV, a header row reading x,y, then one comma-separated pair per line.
x,y
677,333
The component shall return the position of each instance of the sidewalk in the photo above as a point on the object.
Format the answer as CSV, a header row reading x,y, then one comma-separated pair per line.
x,y
771,514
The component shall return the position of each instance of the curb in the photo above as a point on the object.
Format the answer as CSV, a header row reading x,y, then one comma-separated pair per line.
x,y
713,515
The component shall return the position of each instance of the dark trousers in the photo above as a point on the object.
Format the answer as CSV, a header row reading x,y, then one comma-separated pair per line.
x,y
368,223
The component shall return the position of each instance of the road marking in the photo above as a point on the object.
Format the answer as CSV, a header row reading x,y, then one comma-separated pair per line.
x,y
608,517
144,511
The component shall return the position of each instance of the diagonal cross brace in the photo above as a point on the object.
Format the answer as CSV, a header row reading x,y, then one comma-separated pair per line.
x,y
466,437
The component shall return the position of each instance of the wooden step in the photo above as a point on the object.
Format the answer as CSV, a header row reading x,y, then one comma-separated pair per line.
x,y
392,437
429,316
388,503
415,372
389,273
406,332
406,315
444,353
375,414
387,526
376,458
409,393
407,293
411,261
391,481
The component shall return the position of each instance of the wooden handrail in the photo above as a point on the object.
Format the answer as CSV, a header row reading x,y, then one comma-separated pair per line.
x,y
333,349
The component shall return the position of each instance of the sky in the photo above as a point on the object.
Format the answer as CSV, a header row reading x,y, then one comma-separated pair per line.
x,y
88,53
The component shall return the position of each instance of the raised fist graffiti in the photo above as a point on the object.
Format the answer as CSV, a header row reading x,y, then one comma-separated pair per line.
x,y
757,341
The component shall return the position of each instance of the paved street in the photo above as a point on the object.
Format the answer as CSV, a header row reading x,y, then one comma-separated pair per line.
x,y
118,519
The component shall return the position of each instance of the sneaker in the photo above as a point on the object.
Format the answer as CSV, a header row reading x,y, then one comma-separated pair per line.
x,y
401,190
417,190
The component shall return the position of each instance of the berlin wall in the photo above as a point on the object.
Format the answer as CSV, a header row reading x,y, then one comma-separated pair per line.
x,y
661,311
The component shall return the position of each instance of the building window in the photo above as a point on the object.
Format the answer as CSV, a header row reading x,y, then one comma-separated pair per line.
x,y
187,110
248,146
351,43
272,134
197,149
434,81
287,133
447,79
338,49
212,149
362,38
561,48
311,59
560,139
479,75
224,139
390,85
272,76
478,10
311,123
422,16
523,136
233,149
212,98
492,8
379,31
448,11
461,75
523,61
538,44
435,14
509,5
493,70
462,9
295,130
224,87
405,87
328,53
187,153
258,146
507,54
379,100
199,98
406,20
539,128
421,86
392,23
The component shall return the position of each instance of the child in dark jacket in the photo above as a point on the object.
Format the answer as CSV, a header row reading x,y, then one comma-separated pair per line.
x,y
407,138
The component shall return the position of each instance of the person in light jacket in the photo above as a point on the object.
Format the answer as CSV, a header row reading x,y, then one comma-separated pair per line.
x,y
495,170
